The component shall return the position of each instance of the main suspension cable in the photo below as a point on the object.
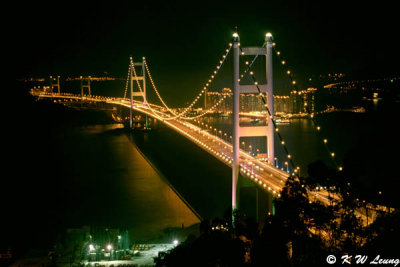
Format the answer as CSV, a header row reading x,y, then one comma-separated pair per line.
x,y
181,114
127,80
311,114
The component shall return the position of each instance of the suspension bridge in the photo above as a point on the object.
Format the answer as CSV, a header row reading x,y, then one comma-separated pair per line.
x,y
263,172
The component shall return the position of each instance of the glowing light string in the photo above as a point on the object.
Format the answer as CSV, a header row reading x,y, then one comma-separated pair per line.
x,y
181,114
127,81
288,155
312,117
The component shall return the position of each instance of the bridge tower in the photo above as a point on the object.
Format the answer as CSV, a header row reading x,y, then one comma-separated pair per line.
x,y
85,85
239,131
55,82
142,92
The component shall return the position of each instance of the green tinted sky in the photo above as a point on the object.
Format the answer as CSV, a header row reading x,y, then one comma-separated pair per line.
x,y
184,40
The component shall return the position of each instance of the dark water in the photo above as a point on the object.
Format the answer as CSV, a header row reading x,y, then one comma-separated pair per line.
x,y
75,175
66,168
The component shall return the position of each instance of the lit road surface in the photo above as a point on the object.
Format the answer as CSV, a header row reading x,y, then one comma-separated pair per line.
x,y
266,176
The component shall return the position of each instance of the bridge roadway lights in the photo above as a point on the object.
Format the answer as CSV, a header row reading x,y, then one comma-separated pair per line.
x,y
274,191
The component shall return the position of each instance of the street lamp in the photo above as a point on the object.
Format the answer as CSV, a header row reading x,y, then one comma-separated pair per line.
x,y
109,248
252,167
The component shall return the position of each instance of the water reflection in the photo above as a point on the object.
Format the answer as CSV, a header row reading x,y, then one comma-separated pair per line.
x,y
123,188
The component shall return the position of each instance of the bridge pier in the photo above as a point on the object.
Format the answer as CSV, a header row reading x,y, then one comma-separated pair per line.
x,y
255,202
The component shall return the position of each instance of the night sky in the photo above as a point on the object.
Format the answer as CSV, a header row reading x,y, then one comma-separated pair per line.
x,y
183,41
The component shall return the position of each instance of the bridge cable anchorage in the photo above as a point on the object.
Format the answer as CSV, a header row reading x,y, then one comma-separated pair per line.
x,y
203,91
311,114
289,156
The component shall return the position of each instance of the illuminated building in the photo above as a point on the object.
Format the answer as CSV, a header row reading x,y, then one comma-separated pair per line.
x,y
302,101
296,102
281,104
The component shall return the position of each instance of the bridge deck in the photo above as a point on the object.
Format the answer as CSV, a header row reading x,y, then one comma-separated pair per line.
x,y
264,175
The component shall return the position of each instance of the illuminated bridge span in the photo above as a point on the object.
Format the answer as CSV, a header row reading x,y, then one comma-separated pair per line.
x,y
263,172
265,175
